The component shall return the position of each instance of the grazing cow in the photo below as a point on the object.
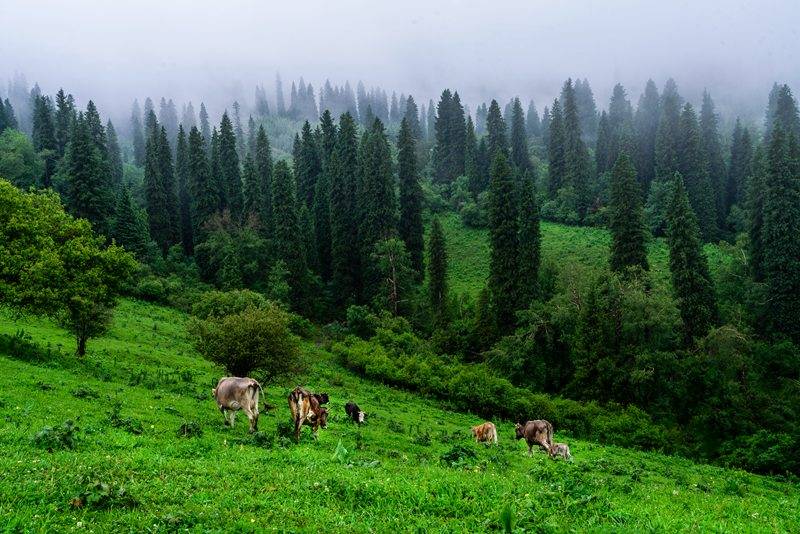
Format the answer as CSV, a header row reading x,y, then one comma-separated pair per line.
x,y
233,394
560,449
536,432
307,410
485,433
354,412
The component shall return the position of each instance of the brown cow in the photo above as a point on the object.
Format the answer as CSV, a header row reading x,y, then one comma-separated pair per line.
x,y
233,394
560,449
307,410
536,432
485,433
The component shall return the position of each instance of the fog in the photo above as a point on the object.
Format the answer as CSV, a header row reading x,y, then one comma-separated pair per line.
x,y
218,50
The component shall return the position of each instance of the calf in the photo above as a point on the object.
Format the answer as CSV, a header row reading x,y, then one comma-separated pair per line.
x,y
537,432
485,433
560,449
307,410
354,412
233,394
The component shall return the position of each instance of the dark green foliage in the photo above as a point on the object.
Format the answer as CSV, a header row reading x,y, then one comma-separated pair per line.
x,y
619,131
169,186
96,130
533,125
322,226
392,265
308,236
740,168
626,218
307,165
476,179
556,174
412,118
287,239
448,151
377,205
437,272
327,138
602,149
229,175
503,227
691,283
712,146
156,196
231,254
205,125
114,156
55,438
496,137
529,240
130,227
263,162
44,137
19,162
693,166
667,152
202,191
576,156
587,110
8,116
251,193
519,139
646,124
183,171
756,192
410,224
781,230
88,193
345,263
137,135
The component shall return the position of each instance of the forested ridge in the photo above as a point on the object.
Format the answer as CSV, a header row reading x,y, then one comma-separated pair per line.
x,y
330,203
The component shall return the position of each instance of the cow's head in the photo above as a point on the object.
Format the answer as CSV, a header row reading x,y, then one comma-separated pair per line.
x,y
361,416
519,431
322,417
322,398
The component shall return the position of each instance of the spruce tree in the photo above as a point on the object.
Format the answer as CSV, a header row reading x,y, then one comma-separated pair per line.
x,y
229,172
602,150
286,235
666,150
322,225
576,156
410,224
158,216
472,169
519,139
182,170
557,169
496,139
717,172
504,240
532,123
202,189
130,229
740,167
781,230
44,138
756,192
412,117
691,283
263,162
114,155
307,165
448,151
693,166
137,135
252,193
88,194
345,261
529,241
64,116
327,138
205,125
95,125
626,218
437,273
170,187
10,118
308,236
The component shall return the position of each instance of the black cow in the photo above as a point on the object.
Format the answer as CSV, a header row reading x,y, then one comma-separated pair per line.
x,y
354,412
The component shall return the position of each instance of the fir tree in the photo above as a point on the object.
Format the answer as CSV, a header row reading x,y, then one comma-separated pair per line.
x,y
307,165
137,135
532,123
307,236
519,139
44,138
202,190
158,216
286,233
88,194
691,283
252,194
781,230
95,125
205,124
130,228
666,151
529,241
437,273
412,117
709,133
238,131
114,155
448,151
430,122
64,116
10,118
170,188
229,172
576,156
215,172
693,166
182,170
504,239
626,218
602,150
496,139
755,207
263,162
280,104
322,226
557,168
410,225
476,181
327,138
740,167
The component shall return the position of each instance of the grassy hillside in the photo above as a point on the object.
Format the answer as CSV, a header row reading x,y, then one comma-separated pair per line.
x,y
411,466
468,251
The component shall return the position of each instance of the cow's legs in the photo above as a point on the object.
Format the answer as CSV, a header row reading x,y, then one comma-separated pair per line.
x,y
232,416
530,449
224,415
252,417
298,425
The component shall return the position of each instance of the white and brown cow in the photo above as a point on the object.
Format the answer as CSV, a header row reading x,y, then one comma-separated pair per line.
x,y
537,432
485,433
233,394
306,408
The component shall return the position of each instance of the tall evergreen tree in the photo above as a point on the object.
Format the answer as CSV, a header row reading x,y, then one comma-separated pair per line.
x,y
263,162
205,124
327,138
667,152
476,181
286,235
437,272
740,167
519,139
532,123
170,187
626,220
114,155
691,283
693,166
448,151
602,149
95,125
430,122
756,192
586,110
717,172
308,236
229,166
496,138
44,137
504,239
410,225
556,153
130,228
64,116
252,194
530,239
158,216
781,230
322,225
202,189
307,165
280,104
182,169
576,156
215,171
412,117
137,135
646,124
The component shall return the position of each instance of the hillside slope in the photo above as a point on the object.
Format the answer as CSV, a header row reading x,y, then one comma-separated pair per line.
x,y
412,465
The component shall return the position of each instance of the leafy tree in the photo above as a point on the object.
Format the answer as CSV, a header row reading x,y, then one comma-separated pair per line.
x,y
691,283
504,239
530,239
286,234
19,162
437,272
519,139
693,166
256,339
626,218
183,171
54,265
410,225
393,267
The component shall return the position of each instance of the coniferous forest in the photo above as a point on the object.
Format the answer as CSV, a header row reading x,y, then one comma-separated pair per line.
x,y
634,262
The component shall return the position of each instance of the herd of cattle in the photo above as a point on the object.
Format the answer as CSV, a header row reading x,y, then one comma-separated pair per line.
x,y
233,394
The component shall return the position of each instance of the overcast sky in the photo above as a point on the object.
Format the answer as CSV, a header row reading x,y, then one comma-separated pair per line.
x,y
116,50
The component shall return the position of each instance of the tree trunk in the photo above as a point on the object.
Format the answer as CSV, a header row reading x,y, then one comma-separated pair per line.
x,y
81,350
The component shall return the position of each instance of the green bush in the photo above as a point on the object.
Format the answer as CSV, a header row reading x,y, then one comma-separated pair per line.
x,y
217,304
60,437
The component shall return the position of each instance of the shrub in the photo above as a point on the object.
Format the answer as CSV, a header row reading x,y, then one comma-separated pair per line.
x,y
216,304
61,437
102,496
256,338
361,321
128,424
458,456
